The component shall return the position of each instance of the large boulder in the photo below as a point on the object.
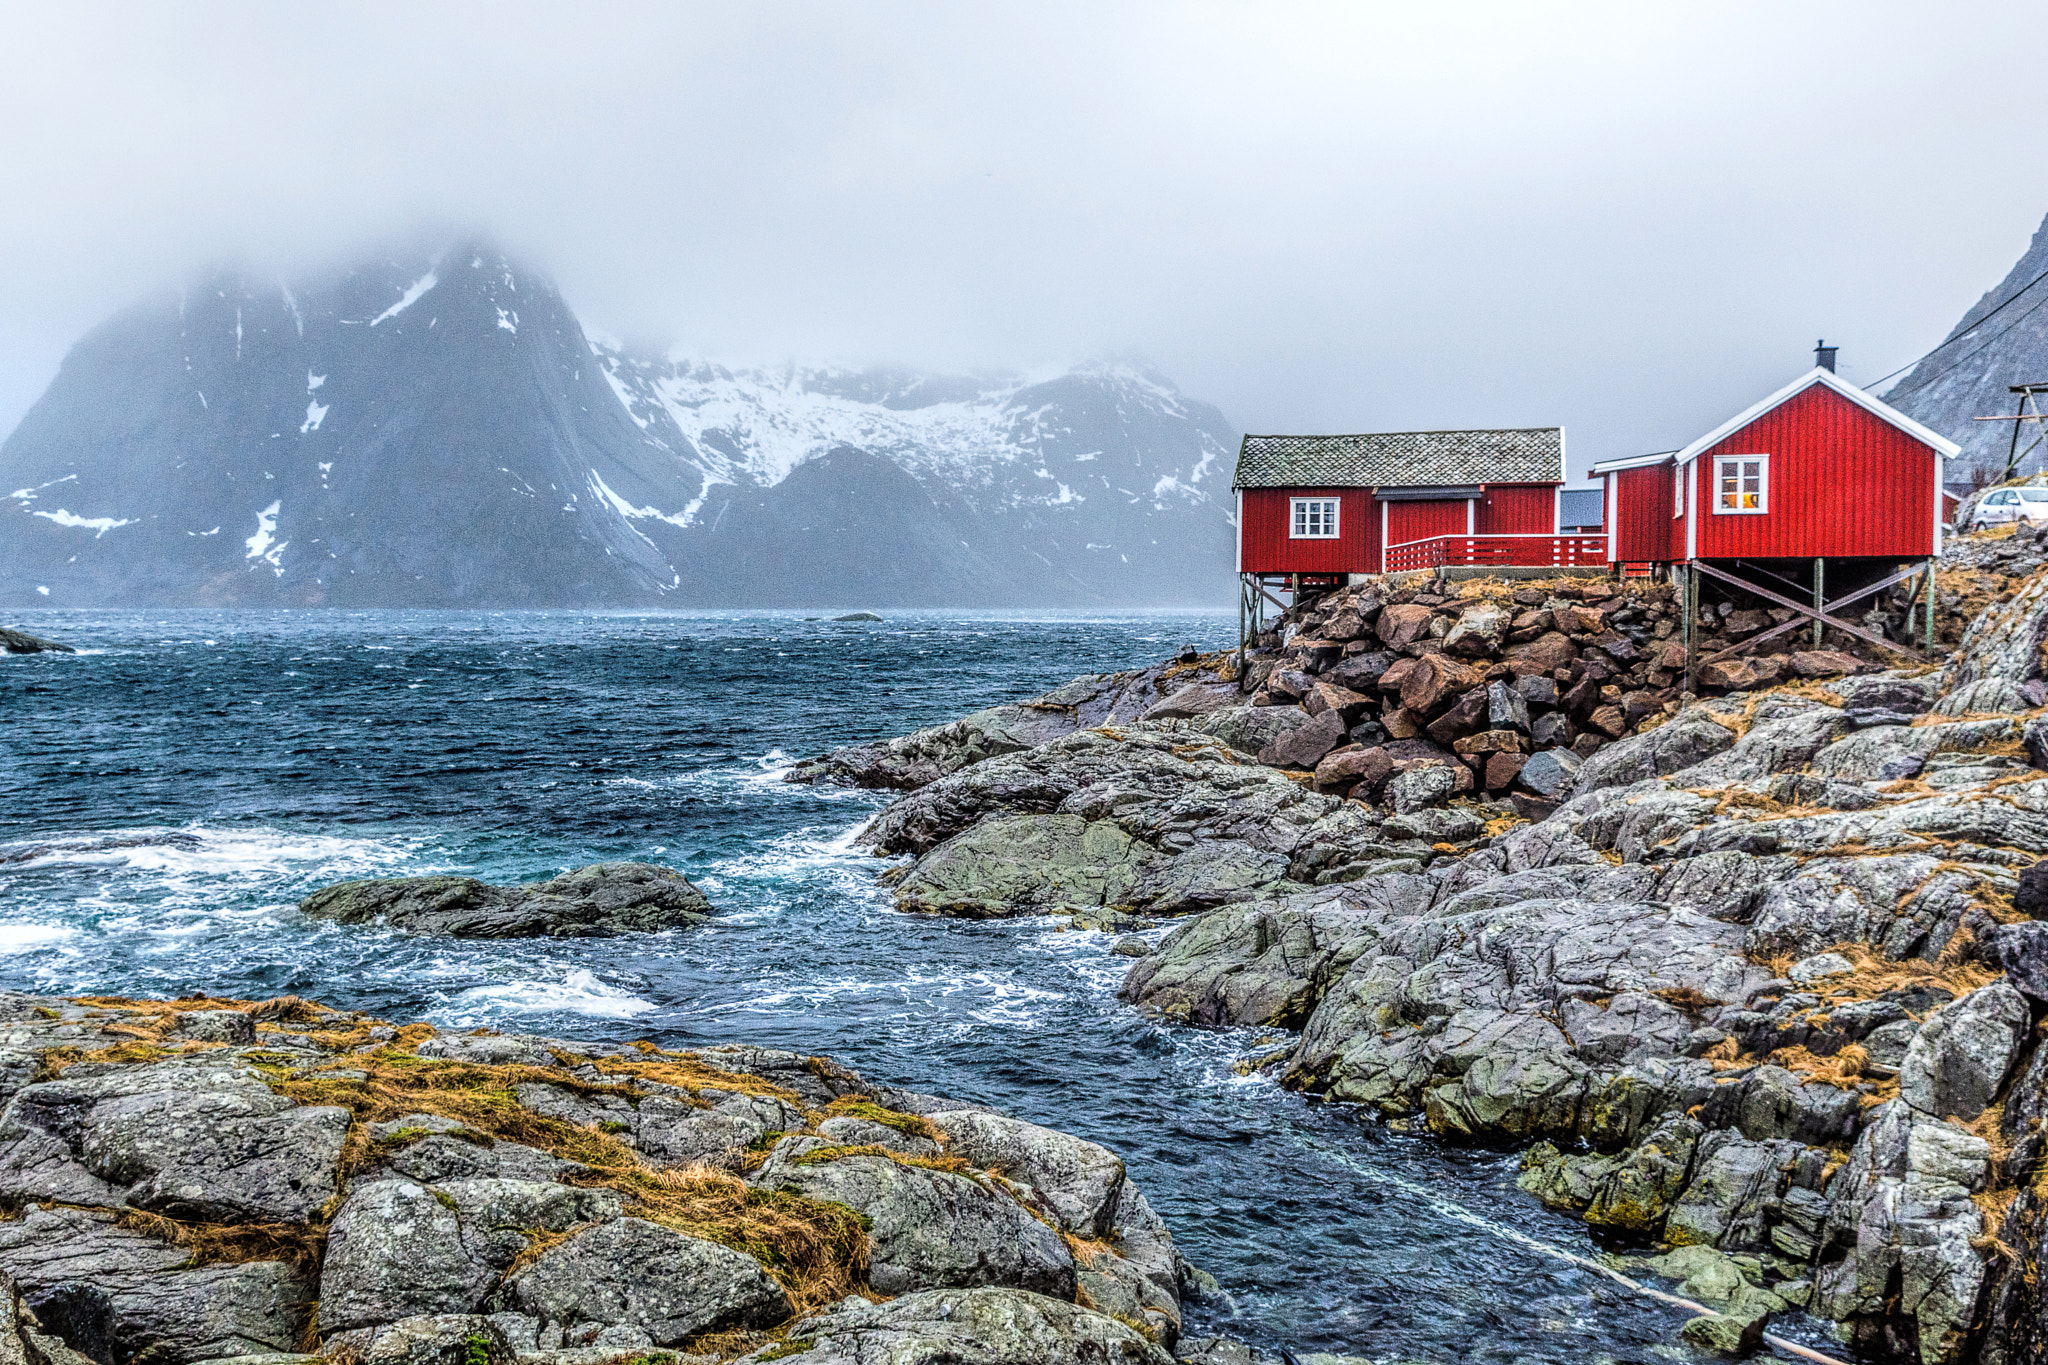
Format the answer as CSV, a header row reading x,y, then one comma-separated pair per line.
x,y
398,1249
118,1295
964,1327
2002,646
1080,1182
592,902
1962,1053
648,1276
198,1137
1026,865
929,1229
1690,737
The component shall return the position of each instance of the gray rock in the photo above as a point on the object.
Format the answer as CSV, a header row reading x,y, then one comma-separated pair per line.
x,y
1027,865
2022,950
965,1327
1819,967
396,1250
1196,699
1550,773
592,902
19,642
116,1294
1304,745
197,1137
234,1027
641,1274
1963,1051
1421,787
2003,644
930,1229
1130,945
1690,737
1506,707
1265,963
441,1339
1080,1182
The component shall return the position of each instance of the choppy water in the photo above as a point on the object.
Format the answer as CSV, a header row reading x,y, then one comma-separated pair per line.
x,y
168,795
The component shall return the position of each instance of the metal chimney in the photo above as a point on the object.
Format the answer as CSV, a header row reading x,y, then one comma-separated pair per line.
x,y
1824,355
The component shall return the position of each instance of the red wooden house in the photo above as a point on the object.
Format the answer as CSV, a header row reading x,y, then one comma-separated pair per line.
x,y
1818,482
1312,510
1819,470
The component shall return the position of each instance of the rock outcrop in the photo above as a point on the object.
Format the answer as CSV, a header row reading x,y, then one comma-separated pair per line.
x,y
1759,980
405,1196
17,642
592,902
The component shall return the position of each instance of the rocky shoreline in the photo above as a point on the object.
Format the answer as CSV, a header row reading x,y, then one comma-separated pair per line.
x,y
1757,977
280,1183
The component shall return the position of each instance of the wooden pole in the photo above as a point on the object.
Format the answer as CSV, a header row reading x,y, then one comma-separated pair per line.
x,y
1928,609
1691,598
1819,597
1243,623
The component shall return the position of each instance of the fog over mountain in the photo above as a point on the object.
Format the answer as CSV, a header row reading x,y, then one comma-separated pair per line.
x,y
436,429
2001,340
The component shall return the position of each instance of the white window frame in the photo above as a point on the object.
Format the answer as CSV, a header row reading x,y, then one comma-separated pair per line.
x,y
1763,490
1299,519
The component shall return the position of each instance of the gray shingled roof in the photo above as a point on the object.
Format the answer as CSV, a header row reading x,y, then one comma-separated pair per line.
x,y
1402,459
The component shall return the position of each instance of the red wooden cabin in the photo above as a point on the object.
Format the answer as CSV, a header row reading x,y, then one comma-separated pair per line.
x,y
1820,491
1312,510
1819,470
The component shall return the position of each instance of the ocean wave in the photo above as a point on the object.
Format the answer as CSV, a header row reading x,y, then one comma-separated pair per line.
x,y
580,992
22,938
254,851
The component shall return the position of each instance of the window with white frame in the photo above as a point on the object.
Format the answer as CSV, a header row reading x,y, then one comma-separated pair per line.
x,y
1314,519
1742,484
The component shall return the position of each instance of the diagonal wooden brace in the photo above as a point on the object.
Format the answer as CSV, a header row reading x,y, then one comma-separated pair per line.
x,y
1810,614
1795,623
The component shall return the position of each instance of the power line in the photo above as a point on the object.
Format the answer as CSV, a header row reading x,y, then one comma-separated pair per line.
x,y
2009,302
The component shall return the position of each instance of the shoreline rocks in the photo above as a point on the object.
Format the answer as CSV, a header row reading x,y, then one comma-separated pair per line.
x,y
408,1195
1756,973
598,901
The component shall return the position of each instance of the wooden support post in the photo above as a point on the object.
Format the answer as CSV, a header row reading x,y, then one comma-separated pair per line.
x,y
1243,623
1927,610
1690,597
1820,600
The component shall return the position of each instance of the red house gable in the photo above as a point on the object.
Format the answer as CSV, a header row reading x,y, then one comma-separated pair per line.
x,y
1819,469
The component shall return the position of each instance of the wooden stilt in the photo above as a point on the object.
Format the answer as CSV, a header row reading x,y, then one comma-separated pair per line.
x,y
1820,600
1927,610
1690,596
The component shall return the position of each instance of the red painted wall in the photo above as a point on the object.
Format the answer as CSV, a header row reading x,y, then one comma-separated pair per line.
x,y
1266,548
1420,520
1645,530
1843,483
1518,509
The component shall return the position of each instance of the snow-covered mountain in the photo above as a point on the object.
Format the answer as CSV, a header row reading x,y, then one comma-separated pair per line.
x,y
437,430
2001,340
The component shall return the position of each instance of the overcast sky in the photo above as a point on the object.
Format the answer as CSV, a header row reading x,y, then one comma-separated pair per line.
x,y
1631,219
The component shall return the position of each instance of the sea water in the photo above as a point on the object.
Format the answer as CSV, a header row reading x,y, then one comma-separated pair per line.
x,y
168,794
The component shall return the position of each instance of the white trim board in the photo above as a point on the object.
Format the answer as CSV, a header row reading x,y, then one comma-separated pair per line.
x,y
1632,462
1882,411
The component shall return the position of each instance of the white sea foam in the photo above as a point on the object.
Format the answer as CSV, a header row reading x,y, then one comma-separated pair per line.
x,y
580,992
20,938
199,849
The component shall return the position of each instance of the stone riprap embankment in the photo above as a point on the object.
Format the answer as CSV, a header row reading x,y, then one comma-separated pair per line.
x,y
591,902
198,1180
1392,693
1764,984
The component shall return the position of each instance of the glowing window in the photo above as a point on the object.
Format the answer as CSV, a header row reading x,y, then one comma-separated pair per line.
x,y
1742,484
1314,519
